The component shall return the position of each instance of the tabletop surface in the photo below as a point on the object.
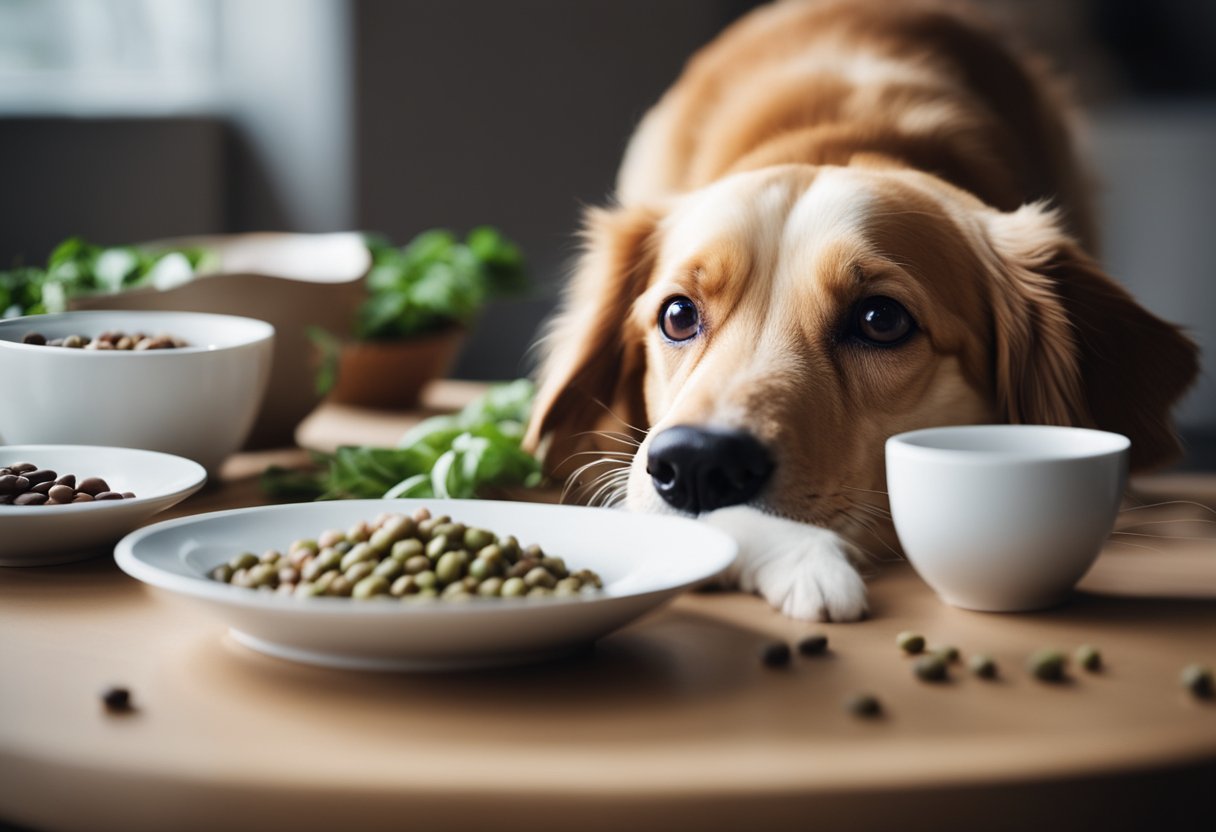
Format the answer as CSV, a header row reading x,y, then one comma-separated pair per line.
x,y
672,717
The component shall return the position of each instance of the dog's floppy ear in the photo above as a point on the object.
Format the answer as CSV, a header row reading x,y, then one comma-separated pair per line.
x,y
1074,348
592,364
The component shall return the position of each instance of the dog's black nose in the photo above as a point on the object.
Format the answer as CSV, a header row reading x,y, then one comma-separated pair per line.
x,y
700,469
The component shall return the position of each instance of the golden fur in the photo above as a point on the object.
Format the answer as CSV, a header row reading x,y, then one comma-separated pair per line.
x,y
815,154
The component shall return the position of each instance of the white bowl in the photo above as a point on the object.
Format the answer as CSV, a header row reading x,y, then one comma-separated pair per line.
x,y
45,535
643,559
1005,517
291,281
198,402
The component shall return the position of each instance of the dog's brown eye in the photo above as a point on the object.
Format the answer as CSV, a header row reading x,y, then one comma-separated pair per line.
x,y
882,321
679,319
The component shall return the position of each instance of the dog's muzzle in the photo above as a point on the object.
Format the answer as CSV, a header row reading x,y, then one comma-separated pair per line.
x,y
701,469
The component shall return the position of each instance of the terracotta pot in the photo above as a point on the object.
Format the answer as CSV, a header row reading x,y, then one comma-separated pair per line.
x,y
391,374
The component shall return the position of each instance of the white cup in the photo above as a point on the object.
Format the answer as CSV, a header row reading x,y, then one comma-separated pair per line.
x,y
1005,518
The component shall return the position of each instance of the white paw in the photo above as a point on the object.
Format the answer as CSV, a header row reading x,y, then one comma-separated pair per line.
x,y
802,570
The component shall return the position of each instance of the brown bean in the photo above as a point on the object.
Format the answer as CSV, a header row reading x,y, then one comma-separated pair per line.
x,y
43,488
107,495
82,498
30,498
35,338
93,486
6,499
128,495
62,493
67,479
8,483
41,475
522,567
22,467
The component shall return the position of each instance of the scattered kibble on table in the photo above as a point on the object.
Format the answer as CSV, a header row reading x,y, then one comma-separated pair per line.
x,y
982,665
947,652
813,645
1197,679
1089,658
863,705
116,699
910,642
25,484
1047,665
775,654
931,668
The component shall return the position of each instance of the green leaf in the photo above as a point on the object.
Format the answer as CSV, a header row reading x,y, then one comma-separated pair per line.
x,y
418,485
444,456
329,347
436,280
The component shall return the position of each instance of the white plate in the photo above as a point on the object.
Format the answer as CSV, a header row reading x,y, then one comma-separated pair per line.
x,y
45,535
643,559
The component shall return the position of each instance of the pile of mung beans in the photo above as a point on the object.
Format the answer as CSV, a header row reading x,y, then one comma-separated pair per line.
x,y
126,342
25,484
408,557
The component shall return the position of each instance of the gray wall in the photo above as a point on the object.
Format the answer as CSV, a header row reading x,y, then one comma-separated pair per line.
x,y
513,113
1157,197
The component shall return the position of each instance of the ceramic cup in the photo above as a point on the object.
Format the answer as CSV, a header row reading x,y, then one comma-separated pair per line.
x,y
1004,518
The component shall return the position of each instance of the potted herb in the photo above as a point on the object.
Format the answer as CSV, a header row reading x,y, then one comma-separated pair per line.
x,y
420,299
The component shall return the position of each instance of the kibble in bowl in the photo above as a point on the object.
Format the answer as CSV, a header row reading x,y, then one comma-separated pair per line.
x,y
418,556
641,560
77,500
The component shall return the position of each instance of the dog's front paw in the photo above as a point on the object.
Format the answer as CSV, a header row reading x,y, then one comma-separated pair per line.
x,y
802,570
813,585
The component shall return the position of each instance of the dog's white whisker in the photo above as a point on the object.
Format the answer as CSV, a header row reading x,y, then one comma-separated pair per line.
x,y
614,415
1168,522
880,513
874,532
615,436
573,483
867,490
1165,503
1136,546
1165,536
609,489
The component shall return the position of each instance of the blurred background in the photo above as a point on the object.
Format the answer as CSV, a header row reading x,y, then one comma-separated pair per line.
x,y
131,120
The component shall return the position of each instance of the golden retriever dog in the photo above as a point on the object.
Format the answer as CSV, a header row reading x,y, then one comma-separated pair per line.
x,y
845,220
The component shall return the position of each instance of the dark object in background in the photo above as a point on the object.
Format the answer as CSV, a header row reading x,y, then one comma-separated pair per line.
x,y
815,644
775,654
1163,47
108,179
117,700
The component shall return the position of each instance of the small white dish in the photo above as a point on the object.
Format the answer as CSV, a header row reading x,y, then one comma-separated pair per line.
x,y
1005,518
644,560
46,535
198,401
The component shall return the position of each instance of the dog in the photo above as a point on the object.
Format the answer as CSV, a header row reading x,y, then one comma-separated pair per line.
x,y
843,221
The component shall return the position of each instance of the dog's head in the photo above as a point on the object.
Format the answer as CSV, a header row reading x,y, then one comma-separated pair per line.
x,y
770,331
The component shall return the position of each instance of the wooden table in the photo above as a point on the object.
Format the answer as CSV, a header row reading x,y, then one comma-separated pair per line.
x,y
671,723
